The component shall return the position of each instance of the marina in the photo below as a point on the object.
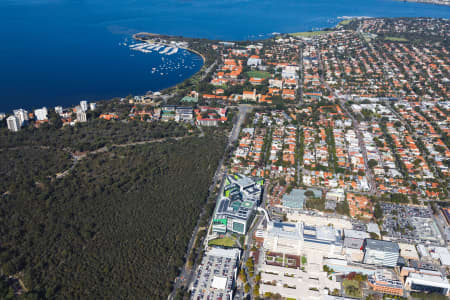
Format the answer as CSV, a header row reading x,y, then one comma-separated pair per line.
x,y
181,62
153,47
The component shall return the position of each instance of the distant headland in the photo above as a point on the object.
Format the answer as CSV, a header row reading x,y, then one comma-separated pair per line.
x,y
438,2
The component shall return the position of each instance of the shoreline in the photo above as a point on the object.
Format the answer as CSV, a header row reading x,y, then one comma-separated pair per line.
x,y
139,36
117,97
141,39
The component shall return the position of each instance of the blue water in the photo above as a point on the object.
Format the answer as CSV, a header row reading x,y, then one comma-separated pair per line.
x,y
58,52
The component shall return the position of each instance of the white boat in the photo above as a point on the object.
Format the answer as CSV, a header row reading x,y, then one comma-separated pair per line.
x,y
173,51
167,49
136,45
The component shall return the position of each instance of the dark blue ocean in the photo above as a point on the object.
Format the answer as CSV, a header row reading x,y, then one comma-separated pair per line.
x,y
58,52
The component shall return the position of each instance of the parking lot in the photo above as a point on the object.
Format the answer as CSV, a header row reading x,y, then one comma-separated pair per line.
x,y
409,224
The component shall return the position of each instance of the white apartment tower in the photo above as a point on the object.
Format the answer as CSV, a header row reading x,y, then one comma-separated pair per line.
x,y
58,110
84,105
21,115
13,123
81,116
41,114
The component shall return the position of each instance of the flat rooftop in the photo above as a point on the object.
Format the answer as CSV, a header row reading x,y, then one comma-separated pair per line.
x,y
429,279
356,234
292,231
380,245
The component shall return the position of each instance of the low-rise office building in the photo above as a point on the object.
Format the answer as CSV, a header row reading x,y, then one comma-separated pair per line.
x,y
184,113
13,123
421,282
386,282
441,254
337,195
408,251
168,112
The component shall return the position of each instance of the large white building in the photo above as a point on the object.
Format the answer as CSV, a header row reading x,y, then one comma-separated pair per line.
x,y
81,116
290,72
427,283
301,238
337,195
284,238
21,115
84,105
254,61
236,208
58,110
293,259
292,283
381,253
13,123
322,240
41,114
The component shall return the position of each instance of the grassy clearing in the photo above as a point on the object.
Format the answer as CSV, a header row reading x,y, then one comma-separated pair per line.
x,y
352,288
225,242
258,74
395,39
345,22
309,33
221,86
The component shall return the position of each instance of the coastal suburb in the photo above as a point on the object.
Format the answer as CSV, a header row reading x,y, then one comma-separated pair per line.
x,y
308,166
